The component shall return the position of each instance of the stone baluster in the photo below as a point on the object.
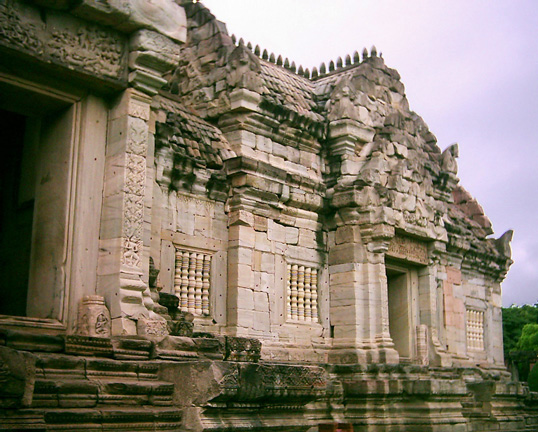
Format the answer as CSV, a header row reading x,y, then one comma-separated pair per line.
x,y
191,296
198,284
293,288
300,294
308,294
314,284
288,291
206,284
184,298
177,274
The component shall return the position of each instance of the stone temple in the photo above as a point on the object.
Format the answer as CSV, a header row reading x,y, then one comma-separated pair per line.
x,y
198,236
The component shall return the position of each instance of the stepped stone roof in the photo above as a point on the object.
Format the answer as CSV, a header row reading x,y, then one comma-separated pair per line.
x,y
191,137
283,87
402,150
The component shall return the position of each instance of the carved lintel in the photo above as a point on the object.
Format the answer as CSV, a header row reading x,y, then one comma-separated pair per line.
x,y
408,249
73,43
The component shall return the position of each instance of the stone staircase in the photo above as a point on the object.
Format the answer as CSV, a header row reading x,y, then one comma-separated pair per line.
x,y
96,394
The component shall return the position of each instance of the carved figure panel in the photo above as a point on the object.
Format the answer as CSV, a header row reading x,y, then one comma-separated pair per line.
x,y
93,317
68,41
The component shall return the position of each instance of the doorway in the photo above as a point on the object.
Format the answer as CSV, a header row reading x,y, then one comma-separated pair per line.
x,y
17,192
402,286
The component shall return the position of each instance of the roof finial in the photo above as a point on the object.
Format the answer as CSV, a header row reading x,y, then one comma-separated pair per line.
x,y
301,70
322,69
286,63
234,39
307,73
293,67
241,42
331,66
356,57
265,54
272,58
257,50
348,60
373,51
339,62
315,72
249,46
279,60
364,54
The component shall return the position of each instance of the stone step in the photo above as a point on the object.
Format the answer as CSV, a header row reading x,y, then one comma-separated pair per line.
x,y
119,418
59,366
88,393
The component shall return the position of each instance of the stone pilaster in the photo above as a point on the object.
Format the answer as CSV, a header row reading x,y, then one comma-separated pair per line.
x,y
358,287
123,269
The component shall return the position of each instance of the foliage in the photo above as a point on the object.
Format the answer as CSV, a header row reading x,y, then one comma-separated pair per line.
x,y
533,378
514,319
518,349
529,338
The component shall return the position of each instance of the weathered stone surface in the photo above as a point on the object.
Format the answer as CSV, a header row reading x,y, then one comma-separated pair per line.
x,y
176,348
242,349
65,40
88,345
131,348
29,341
17,378
164,16
278,249
93,317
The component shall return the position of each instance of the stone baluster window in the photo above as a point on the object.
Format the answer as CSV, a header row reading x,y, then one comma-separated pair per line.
x,y
475,329
302,293
192,281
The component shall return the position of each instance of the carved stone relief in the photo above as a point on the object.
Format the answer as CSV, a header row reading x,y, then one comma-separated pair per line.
x,y
244,68
408,249
342,104
93,317
131,251
95,50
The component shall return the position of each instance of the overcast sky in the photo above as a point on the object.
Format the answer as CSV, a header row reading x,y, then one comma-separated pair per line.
x,y
470,69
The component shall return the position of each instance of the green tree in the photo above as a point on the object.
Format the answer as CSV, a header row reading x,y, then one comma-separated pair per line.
x,y
529,338
514,319
533,378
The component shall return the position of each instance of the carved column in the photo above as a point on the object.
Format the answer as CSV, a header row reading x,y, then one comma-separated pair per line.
x,y
125,226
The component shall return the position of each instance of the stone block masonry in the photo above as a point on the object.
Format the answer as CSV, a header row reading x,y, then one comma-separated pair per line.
x,y
221,241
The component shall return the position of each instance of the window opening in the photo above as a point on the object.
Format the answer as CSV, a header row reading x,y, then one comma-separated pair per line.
x,y
192,281
475,329
302,293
